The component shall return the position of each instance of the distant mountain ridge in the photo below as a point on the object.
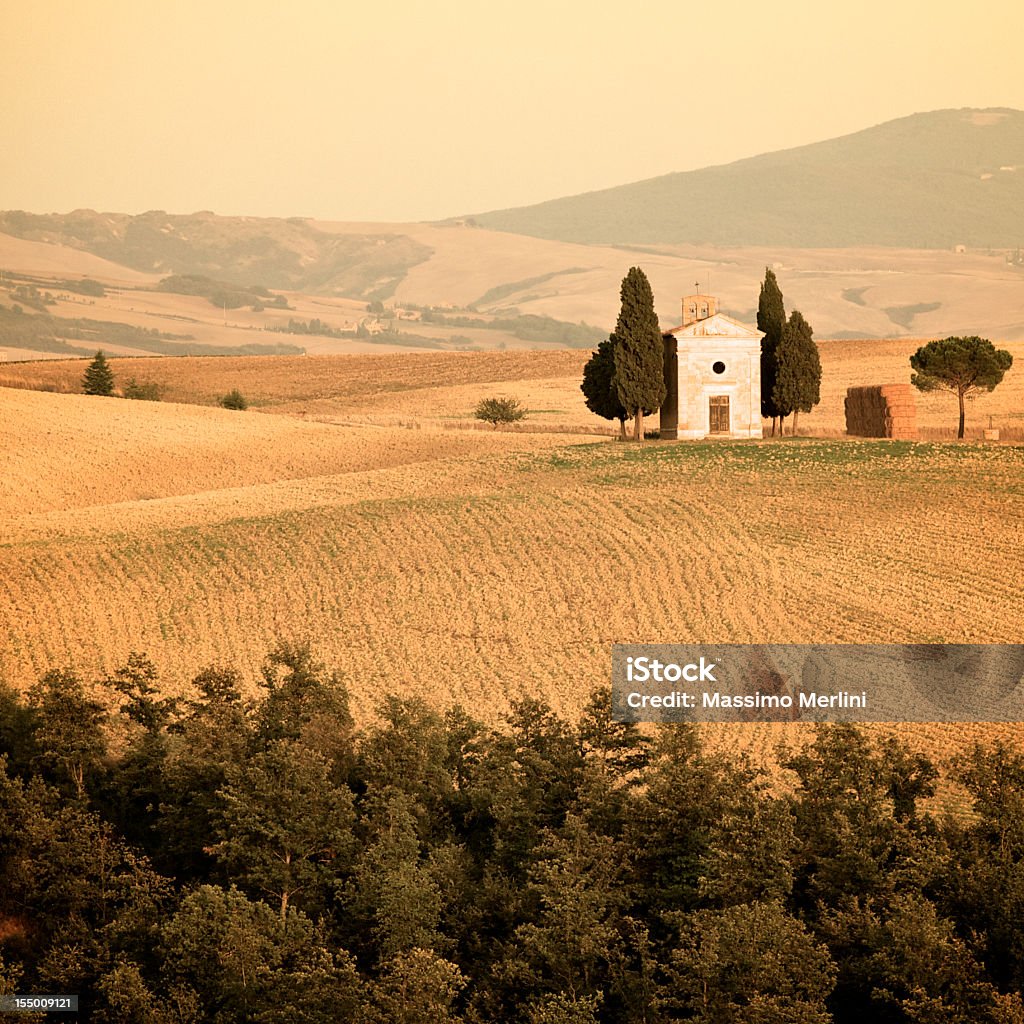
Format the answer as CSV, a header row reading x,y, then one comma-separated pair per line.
x,y
930,180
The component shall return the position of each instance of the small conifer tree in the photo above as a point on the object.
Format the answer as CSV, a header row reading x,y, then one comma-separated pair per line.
x,y
98,378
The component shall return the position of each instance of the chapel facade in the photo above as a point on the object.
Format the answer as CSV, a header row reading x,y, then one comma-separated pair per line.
x,y
712,375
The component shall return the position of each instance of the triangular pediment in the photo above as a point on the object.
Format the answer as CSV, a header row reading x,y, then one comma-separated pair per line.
x,y
717,326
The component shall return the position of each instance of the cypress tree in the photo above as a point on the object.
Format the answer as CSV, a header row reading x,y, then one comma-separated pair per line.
x,y
98,378
771,318
798,369
598,385
639,352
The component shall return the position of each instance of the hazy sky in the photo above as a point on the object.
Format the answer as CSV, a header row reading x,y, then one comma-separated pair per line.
x,y
397,110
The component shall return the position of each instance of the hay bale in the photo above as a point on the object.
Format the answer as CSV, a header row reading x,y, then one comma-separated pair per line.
x,y
881,410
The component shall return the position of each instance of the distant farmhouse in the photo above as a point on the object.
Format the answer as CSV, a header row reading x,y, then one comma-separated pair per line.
x,y
712,375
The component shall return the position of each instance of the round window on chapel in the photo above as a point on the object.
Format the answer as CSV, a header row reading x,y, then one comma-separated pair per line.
x,y
718,367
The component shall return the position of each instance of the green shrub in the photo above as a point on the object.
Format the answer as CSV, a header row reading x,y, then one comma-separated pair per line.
x,y
234,399
499,410
150,391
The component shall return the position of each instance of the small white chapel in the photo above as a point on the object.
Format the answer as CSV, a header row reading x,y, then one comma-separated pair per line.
x,y
712,374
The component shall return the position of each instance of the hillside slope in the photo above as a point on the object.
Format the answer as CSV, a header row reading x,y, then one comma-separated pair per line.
x,y
930,180
72,453
862,292
242,250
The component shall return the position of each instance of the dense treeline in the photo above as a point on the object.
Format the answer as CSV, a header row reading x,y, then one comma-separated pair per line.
x,y
390,335
524,326
45,333
222,293
314,326
222,859
30,283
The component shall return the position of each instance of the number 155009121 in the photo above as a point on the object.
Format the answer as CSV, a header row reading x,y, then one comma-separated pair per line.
x,y
38,1004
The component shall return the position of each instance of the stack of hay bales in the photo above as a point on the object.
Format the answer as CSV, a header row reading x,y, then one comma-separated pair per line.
x,y
881,410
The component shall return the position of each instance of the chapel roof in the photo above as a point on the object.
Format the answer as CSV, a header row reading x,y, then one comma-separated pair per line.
x,y
719,325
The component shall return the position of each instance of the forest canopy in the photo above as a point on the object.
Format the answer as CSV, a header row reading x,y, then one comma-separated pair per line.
x,y
247,853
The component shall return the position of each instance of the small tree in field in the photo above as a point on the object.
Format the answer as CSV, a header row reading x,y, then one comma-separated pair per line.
x,y
98,378
964,366
639,351
499,410
598,385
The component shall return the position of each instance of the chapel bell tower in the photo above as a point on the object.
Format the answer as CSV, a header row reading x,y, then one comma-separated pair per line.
x,y
698,307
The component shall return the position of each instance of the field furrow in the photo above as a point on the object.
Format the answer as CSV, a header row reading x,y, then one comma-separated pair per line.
x,y
479,567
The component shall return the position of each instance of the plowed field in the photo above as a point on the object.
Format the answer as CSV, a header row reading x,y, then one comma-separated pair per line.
x,y
480,566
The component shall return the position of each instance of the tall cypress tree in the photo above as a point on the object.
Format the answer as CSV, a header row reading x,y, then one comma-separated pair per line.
x,y
771,319
798,369
598,385
98,378
639,351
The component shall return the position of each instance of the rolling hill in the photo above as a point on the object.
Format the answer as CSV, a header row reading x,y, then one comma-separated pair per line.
x,y
861,230
931,180
244,251
865,292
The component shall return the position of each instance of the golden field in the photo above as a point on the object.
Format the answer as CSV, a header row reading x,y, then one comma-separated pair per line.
x,y
475,566
61,454
442,389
